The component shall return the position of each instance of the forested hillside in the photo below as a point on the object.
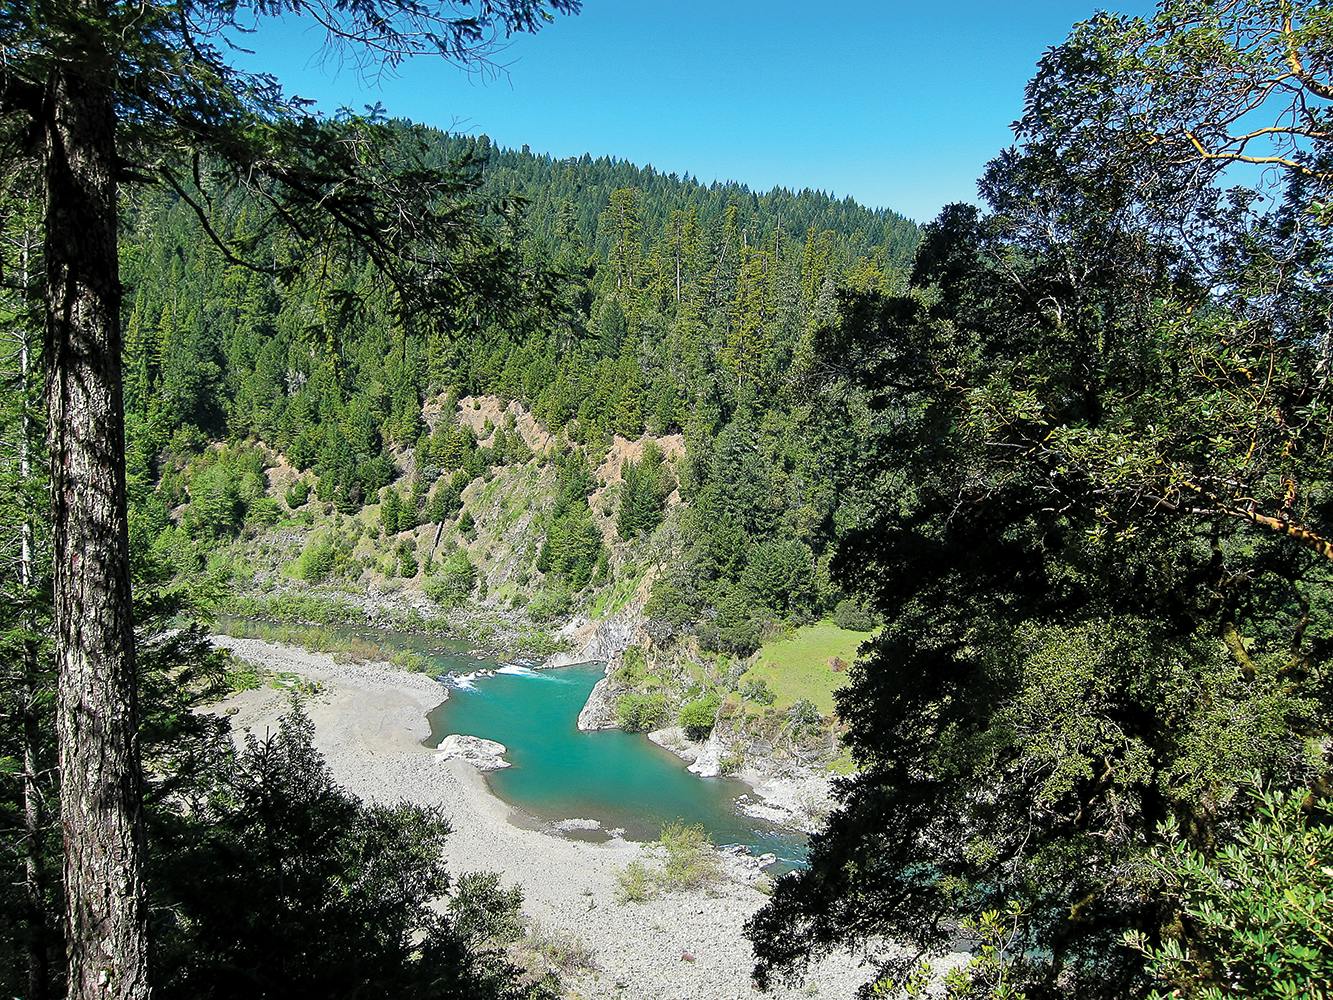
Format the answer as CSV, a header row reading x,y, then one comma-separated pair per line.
x,y
648,305
1020,522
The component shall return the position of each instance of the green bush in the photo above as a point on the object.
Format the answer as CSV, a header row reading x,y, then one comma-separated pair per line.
x,y
804,714
559,948
756,689
634,883
641,713
453,581
262,512
633,666
297,494
550,603
486,914
414,662
322,557
242,675
853,616
697,717
216,507
735,629
406,557
1255,913
692,862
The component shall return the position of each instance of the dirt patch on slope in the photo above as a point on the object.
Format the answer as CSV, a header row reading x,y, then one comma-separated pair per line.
x,y
476,411
624,450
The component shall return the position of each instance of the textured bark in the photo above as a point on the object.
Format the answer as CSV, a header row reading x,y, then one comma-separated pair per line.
x,y
101,798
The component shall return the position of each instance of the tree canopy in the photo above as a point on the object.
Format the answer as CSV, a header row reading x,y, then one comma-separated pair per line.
x,y
1094,513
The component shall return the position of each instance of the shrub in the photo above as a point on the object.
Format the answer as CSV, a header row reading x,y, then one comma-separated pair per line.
x,y
549,604
853,616
633,666
262,512
560,948
414,662
735,629
407,560
216,507
804,714
453,582
692,862
486,914
1256,911
634,883
242,675
317,560
641,713
780,575
756,689
697,717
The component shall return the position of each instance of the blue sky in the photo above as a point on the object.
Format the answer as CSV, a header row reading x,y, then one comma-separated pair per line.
x,y
895,103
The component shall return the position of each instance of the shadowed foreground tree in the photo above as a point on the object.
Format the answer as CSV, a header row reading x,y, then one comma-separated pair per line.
x,y
1094,515
98,93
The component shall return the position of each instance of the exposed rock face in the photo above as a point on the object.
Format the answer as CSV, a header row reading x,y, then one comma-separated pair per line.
x,y
606,640
708,764
790,795
484,755
599,711
673,738
591,641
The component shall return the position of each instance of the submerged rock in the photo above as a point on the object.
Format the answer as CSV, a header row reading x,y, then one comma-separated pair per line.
x,y
577,823
484,755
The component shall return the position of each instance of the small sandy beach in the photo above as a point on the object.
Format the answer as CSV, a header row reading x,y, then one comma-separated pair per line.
x,y
370,720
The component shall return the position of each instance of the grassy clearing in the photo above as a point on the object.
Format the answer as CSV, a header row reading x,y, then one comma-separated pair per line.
x,y
799,667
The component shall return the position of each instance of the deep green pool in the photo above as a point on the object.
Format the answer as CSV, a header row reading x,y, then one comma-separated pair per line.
x,y
622,780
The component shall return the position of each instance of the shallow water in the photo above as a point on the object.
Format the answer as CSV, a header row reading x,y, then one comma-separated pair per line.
x,y
622,780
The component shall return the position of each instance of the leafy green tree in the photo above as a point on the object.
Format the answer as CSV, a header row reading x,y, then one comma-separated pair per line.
x,y
297,494
1254,912
273,856
779,575
90,88
573,542
453,582
390,511
641,713
697,717
1092,513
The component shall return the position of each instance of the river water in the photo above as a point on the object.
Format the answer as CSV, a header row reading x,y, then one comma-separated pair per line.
x,y
621,780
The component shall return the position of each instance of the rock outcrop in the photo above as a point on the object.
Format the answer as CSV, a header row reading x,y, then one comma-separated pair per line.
x,y
484,755
599,711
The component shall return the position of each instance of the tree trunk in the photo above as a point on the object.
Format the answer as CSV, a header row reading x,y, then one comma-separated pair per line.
x,y
34,872
96,723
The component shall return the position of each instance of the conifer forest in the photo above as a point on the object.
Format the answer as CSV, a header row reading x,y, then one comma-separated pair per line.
x,y
435,568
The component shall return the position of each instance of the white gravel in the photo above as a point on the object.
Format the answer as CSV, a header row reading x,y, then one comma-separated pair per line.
x,y
370,720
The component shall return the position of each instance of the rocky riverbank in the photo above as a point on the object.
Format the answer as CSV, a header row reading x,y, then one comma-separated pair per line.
x,y
370,720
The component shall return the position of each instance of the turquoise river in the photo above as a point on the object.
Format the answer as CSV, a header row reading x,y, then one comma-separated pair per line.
x,y
622,780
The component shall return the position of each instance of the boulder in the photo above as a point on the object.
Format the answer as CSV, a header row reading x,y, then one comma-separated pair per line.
x,y
484,755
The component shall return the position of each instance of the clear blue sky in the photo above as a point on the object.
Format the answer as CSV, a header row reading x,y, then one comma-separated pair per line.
x,y
897,103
